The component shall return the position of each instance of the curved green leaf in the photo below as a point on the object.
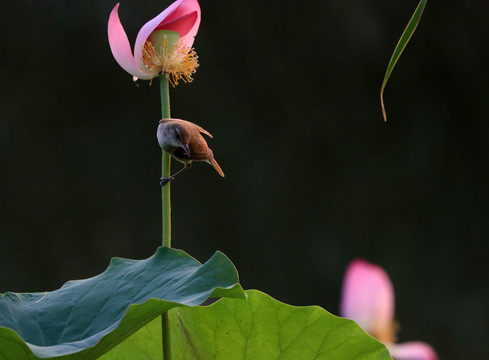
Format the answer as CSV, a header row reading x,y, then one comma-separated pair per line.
x,y
86,318
405,37
260,328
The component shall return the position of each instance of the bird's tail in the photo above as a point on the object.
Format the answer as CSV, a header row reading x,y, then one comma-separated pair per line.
x,y
216,166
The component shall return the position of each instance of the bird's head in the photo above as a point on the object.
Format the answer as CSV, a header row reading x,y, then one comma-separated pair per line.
x,y
179,136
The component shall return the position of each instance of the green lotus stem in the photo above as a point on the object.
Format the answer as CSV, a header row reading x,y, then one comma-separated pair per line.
x,y
165,165
166,210
166,335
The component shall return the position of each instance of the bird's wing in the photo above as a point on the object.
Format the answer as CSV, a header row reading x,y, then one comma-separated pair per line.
x,y
199,151
199,129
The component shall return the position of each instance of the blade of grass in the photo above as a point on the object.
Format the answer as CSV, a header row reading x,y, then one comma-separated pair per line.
x,y
405,37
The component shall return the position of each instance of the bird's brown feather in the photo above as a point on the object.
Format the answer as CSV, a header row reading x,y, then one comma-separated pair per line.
x,y
216,166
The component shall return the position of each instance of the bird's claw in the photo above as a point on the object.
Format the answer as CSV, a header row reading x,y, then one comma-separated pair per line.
x,y
165,180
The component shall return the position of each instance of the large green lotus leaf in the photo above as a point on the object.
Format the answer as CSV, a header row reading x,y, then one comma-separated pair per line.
x,y
86,318
253,329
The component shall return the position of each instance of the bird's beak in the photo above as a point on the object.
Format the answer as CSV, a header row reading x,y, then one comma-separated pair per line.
x,y
186,149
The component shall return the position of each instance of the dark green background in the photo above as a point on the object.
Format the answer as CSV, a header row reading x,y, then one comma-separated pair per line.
x,y
314,177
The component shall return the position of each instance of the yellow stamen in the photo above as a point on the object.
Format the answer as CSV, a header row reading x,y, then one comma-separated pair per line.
x,y
385,334
177,62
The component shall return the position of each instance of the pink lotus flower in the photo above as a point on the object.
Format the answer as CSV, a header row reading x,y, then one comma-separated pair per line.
x,y
368,299
163,45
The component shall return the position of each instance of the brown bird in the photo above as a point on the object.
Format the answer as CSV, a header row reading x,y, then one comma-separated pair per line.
x,y
183,140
